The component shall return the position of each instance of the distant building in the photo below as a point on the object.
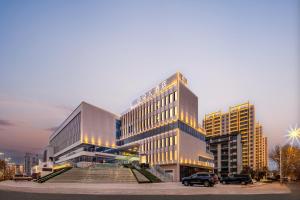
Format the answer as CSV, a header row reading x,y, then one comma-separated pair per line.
x,y
239,118
261,148
30,160
227,150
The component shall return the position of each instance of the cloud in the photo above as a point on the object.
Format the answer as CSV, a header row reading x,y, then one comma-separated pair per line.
x,y
5,123
51,129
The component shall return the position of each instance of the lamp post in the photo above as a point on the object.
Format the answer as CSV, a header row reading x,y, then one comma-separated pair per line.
x,y
280,163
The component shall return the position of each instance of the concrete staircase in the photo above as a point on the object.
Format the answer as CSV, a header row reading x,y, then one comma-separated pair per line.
x,y
96,174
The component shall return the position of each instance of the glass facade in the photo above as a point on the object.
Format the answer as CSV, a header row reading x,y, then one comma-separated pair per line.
x,y
68,135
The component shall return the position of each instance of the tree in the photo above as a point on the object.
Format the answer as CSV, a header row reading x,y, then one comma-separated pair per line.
x,y
6,172
290,159
2,169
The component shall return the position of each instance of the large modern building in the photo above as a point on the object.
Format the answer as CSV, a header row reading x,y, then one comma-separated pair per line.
x,y
159,129
87,135
239,118
163,126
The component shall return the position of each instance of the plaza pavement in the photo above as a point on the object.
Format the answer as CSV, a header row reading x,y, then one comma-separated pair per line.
x,y
142,189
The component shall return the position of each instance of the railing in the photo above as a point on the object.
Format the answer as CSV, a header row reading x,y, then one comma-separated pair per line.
x,y
160,172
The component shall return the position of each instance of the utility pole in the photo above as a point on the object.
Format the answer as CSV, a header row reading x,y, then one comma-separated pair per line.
x,y
280,163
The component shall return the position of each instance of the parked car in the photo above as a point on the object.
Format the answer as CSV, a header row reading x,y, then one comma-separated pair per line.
x,y
199,179
237,179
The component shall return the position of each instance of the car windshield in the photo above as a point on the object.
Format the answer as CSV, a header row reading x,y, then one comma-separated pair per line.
x,y
203,175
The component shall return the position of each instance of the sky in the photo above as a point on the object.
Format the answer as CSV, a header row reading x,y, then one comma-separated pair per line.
x,y
55,54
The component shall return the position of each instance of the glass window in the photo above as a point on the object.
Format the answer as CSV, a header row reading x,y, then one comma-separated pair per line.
x,y
171,112
175,96
171,97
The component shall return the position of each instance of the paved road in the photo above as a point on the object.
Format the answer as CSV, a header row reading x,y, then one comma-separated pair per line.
x,y
11,195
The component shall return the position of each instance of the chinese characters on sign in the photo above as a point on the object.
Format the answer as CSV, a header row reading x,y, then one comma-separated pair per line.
x,y
158,88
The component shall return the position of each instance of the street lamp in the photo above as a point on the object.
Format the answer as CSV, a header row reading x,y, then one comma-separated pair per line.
x,y
294,135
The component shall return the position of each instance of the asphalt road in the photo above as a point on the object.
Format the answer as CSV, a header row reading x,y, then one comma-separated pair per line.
x,y
10,195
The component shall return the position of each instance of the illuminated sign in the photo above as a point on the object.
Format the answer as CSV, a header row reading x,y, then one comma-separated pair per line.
x,y
158,88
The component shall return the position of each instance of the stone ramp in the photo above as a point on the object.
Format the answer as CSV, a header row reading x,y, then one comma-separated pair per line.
x,y
95,175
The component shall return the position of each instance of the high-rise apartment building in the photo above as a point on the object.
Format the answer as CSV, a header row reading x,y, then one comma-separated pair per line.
x,y
227,151
261,148
239,118
163,126
265,154
30,160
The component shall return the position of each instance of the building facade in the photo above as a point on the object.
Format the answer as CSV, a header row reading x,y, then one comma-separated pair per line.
x,y
239,118
227,151
162,125
87,135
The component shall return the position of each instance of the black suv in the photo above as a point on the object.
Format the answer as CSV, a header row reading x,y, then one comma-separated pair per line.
x,y
237,178
199,179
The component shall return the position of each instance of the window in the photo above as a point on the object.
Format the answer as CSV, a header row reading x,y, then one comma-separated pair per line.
x,y
171,98
175,96
167,100
171,112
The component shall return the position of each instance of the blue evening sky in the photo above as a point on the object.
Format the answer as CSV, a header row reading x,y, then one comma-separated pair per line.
x,y
55,54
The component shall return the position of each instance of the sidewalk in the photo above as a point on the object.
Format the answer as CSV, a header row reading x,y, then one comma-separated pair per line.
x,y
142,189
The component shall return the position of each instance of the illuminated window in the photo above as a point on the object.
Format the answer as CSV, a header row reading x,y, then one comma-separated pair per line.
x,y
171,112
167,100
171,140
167,155
171,98
175,95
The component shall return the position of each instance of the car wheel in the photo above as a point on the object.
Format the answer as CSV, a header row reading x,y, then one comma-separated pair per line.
x,y
185,183
206,183
223,182
243,183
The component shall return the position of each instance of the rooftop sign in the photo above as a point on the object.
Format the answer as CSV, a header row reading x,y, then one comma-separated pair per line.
x,y
162,85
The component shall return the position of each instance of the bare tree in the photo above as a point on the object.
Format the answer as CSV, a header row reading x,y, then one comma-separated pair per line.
x,y
290,159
